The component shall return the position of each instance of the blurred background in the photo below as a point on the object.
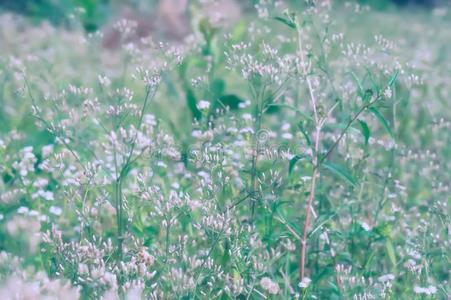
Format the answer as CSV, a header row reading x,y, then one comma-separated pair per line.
x,y
97,13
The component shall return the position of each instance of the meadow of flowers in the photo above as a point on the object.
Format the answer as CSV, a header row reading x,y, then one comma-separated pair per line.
x,y
300,151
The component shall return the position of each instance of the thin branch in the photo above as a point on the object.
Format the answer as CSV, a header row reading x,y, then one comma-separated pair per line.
x,y
311,196
362,109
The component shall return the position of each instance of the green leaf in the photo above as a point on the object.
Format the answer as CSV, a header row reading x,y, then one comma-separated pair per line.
x,y
217,87
192,104
232,101
373,81
382,121
384,230
283,105
367,95
365,130
340,172
304,132
359,83
239,31
272,109
293,162
208,32
287,22
322,220
370,259
390,251
393,79
206,29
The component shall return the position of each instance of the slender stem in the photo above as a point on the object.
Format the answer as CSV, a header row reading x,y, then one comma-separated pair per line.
x,y
141,117
335,144
119,218
310,200
315,172
120,174
316,164
255,154
168,231
119,223
305,73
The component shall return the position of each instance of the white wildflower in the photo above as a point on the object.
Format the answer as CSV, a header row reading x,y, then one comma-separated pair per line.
x,y
269,285
286,126
386,277
104,81
287,136
305,283
47,195
47,150
55,210
244,104
365,226
203,105
22,210
430,290
388,93
247,117
196,133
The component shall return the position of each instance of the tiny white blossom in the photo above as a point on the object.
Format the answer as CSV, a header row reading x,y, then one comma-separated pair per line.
x,y
430,290
104,81
22,210
47,150
305,283
55,210
47,195
33,213
386,277
286,126
365,226
196,133
287,136
247,117
203,105
244,104
388,93
269,285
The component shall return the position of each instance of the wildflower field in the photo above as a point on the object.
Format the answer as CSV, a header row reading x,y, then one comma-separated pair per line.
x,y
298,150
